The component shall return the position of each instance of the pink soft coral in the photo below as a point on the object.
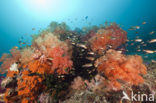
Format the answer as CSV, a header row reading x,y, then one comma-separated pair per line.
x,y
9,59
78,83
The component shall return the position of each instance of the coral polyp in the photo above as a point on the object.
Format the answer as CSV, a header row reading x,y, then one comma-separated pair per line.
x,y
59,61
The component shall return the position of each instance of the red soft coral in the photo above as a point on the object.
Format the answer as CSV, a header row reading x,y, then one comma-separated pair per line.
x,y
116,66
61,60
110,37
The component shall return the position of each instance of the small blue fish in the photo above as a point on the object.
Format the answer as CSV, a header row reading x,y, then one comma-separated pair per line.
x,y
86,17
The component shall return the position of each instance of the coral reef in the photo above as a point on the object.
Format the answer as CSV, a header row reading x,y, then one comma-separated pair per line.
x,y
80,66
29,66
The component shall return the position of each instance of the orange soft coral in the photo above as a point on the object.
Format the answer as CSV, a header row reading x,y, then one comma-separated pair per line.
x,y
116,66
12,73
41,68
110,37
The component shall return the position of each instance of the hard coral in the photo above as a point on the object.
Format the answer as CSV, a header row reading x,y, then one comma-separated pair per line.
x,y
117,67
110,37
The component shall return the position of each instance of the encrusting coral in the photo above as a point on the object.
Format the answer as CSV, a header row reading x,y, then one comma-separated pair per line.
x,y
29,86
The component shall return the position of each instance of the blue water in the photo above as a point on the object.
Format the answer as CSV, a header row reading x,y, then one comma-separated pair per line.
x,y
18,17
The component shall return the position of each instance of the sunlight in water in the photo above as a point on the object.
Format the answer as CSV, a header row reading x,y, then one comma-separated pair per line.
x,y
49,9
39,5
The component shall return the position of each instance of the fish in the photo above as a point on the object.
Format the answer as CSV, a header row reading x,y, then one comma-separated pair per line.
x,y
50,59
143,22
119,51
102,37
73,43
109,46
33,28
82,45
139,50
134,28
152,41
113,38
87,65
15,47
153,61
86,17
138,40
144,44
90,58
149,51
152,32
91,53
137,27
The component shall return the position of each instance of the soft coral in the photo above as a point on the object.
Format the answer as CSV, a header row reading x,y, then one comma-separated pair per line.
x,y
116,66
29,86
61,60
109,37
